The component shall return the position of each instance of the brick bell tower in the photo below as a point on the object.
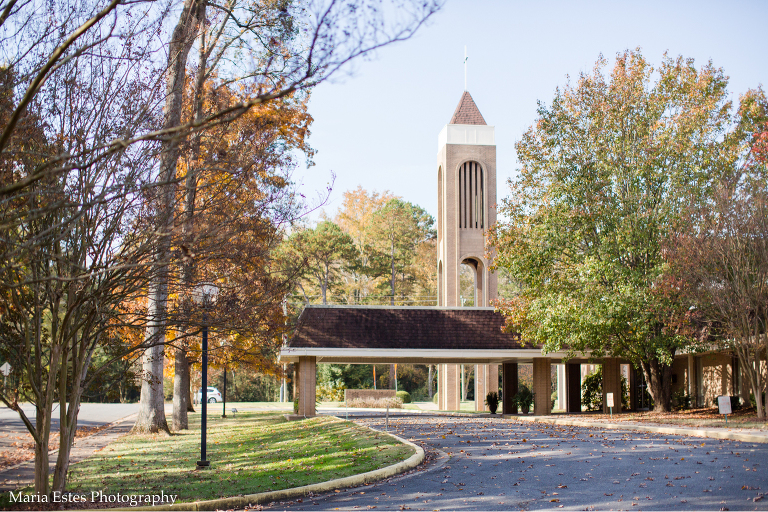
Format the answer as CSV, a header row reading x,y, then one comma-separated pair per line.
x,y
466,192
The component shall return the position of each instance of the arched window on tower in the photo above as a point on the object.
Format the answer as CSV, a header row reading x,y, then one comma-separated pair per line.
x,y
471,196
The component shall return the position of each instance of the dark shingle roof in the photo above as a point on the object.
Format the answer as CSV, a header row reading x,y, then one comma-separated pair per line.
x,y
467,112
401,328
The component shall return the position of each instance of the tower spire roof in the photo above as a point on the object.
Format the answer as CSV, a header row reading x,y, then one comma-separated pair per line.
x,y
467,112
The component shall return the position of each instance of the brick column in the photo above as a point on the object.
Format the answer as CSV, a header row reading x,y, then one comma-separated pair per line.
x,y
296,383
481,386
573,387
542,386
612,383
448,396
486,380
307,383
508,387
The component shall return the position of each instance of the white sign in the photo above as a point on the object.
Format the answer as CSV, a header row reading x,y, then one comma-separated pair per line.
x,y
5,369
609,399
724,403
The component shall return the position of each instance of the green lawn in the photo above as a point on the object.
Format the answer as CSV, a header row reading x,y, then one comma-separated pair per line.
x,y
251,453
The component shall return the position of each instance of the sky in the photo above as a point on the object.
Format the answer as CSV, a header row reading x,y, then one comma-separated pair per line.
x,y
377,127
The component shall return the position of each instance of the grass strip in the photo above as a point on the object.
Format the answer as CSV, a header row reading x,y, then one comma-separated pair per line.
x,y
251,453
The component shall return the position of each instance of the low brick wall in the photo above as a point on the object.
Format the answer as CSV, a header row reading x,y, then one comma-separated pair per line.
x,y
376,394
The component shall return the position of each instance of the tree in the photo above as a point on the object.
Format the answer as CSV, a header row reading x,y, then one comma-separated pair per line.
x,y
73,253
398,228
292,46
324,250
720,256
236,202
606,171
355,217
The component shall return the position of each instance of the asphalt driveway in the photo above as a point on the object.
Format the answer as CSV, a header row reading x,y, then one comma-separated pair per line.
x,y
494,464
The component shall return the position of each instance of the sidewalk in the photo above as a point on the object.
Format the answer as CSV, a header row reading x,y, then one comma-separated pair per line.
x,y
749,435
23,475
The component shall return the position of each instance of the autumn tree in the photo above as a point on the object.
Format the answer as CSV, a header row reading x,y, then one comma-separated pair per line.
x,y
720,255
606,171
236,202
292,47
356,218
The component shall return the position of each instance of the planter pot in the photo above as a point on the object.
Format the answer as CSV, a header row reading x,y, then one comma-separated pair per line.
x,y
525,408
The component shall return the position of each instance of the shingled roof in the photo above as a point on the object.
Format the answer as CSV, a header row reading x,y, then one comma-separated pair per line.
x,y
467,112
382,327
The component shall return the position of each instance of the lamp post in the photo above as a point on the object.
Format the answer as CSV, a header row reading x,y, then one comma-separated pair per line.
x,y
204,295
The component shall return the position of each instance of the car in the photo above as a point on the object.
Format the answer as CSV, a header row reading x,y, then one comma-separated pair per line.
x,y
213,395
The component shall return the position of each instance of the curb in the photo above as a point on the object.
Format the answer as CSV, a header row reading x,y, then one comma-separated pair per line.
x,y
713,434
295,492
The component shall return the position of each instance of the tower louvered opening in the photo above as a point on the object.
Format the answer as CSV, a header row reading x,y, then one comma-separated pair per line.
x,y
471,196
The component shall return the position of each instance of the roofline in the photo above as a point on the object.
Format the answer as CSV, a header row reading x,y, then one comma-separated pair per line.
x,y
416,356
430,308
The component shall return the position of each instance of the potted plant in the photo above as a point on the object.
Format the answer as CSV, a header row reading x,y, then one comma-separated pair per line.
x,y
492,401
523,399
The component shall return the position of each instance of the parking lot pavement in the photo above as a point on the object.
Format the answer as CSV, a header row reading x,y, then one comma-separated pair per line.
x,y
495,464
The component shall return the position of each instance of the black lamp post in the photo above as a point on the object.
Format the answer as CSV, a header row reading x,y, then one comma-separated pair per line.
x,y
204,295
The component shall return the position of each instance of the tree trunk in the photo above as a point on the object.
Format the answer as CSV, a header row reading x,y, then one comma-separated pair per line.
x,y
392,281
392,376
151,416
181,388
659,378
42,467
429,383
67,431
181,381
190,405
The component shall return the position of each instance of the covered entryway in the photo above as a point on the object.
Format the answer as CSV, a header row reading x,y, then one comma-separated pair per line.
x,y
425,335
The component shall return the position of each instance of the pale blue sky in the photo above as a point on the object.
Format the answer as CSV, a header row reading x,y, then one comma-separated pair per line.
x,y
378,128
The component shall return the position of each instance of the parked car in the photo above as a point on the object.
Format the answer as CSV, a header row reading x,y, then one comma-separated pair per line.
x,y
213,396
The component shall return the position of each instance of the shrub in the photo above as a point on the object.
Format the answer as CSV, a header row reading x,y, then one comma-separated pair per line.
x,y
524,398
752,400
376,403
330,393
404,396
492,401
592,391
434,398
681,400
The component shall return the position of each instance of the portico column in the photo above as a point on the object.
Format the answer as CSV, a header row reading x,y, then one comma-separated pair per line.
x,y
573,387
448,397
508,387
481,386
542,386
612,383
307,385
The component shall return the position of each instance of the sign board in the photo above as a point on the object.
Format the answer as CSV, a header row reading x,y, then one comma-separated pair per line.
x,y
609,400
724,403
5,369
